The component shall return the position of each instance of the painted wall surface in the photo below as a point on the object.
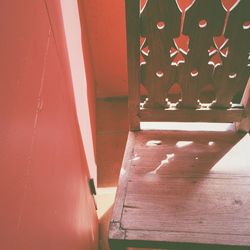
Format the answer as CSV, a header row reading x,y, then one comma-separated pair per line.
x,y
83,92
105,24
44,197
90,77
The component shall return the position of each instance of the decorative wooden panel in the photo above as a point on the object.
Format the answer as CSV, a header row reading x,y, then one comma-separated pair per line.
x,y
198,45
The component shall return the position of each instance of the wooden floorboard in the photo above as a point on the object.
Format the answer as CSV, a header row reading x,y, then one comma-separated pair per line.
x,y
224,152
189,187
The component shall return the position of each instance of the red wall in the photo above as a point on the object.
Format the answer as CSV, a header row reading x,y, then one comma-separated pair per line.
x,y
91,87
44,197
105,24
83,92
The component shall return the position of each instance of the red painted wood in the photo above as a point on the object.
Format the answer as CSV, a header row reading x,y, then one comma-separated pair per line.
x,y
44,197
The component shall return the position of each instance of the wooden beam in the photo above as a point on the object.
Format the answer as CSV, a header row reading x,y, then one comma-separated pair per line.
x,y
192,115
133,56
244,125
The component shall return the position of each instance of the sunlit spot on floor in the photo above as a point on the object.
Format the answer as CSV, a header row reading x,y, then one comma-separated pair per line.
x,y
164,163
105,198
237,160
136,157
153,143
181,144
123,172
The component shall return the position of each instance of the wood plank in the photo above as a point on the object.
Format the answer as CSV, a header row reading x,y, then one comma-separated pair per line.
x,y
192,151
176,54
115,232
192,241
133,55
195,73
160,22
231,77
191,115
190,205
164,138
183,204
244,125
116,244
186,153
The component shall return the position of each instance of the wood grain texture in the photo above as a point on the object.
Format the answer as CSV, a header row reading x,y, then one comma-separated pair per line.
x,y
157,74
191,115
209,50
244,125
133,52
186,189
115,232
199,44
235,64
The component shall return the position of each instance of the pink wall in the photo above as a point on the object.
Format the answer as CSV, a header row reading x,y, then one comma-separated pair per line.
x,y
44,197
83,92
105,25
90,77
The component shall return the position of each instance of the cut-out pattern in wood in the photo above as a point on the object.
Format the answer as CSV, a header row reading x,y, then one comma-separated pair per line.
x,y
199,45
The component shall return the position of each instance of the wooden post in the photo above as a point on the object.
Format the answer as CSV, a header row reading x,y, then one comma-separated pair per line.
x,y
133,56
244,125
